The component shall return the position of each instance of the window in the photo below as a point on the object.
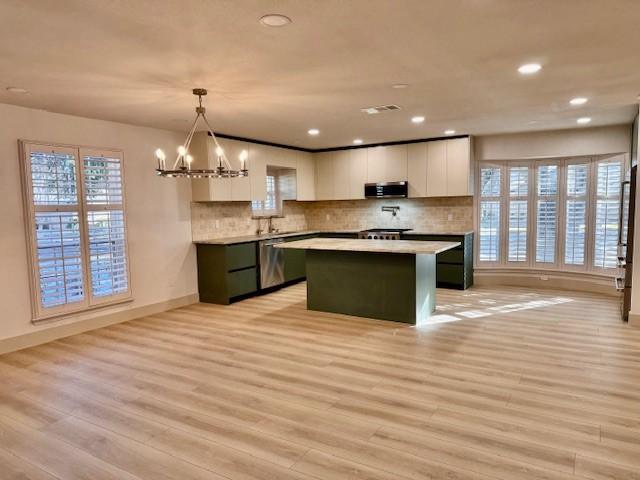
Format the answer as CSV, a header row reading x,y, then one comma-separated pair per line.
x,y
518,207
270,206
75,208
576,214
609,176
550,214
280,186
546,213
489,214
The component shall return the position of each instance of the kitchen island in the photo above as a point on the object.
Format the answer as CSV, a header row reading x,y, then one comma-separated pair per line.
x,y
384,279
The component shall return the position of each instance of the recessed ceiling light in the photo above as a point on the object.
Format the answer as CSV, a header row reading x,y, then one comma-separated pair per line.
x,y
529,68
449,132
17,90
313,131
399,85
357,141
578,101
583,120
275,20
417,119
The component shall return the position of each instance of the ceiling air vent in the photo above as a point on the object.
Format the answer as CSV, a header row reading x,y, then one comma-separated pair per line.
x,y
380,109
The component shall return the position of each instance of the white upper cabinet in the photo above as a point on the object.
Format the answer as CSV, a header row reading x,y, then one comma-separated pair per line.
x,y
341,175
387,164
305,176
459,168
437,169
357,172
239,188
324,175
448,168
417,169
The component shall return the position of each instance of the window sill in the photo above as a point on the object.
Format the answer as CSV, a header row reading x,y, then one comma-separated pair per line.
x,y
526,270
56,317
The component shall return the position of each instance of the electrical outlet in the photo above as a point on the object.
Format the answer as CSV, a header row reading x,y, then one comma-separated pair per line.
x,y
544,277
328,217
450,217
217,224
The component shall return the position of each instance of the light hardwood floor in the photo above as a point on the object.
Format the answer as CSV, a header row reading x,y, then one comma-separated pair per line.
x,y
513,384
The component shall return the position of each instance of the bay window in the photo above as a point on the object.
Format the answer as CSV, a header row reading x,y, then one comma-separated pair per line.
x,y
550,214
74,204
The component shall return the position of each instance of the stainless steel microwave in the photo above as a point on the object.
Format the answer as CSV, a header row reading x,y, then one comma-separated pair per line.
x,y
386,190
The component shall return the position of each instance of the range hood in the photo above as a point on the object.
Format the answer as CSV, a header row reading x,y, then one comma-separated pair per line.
x,y
386,190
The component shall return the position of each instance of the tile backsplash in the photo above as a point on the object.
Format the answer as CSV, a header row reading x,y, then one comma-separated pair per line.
x,y
228,219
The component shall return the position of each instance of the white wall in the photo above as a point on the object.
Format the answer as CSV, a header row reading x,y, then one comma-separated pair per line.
x,y
554,143
634,313
162,257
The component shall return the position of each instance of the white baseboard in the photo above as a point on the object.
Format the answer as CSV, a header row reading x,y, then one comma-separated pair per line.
x,y
634,319
55,332
554,280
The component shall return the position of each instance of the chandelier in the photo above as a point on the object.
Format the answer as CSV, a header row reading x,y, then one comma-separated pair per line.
x,y
182,166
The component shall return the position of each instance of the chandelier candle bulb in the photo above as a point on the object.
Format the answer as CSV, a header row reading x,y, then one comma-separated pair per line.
x,y
243,160
189,160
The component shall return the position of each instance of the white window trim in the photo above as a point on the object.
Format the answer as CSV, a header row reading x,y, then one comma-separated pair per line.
x,y
531,265
89,303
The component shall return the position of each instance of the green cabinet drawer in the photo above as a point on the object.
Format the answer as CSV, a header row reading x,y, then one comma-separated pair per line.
x,y
242,282
241,255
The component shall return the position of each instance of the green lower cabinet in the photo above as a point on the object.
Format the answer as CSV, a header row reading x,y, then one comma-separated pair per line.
x,y
454,267
242,282
295,260
294,265
226,272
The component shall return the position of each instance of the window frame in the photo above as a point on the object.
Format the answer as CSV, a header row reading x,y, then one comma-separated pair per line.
x,y
507,198
532,264
535,197
89,302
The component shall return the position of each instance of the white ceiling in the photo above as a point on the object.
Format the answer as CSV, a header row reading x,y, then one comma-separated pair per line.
x,y
135,61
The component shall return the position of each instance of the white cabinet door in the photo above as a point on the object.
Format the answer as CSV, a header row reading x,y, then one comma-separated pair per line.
x,y
357,172
395,163
417,169
459,179
341,174
437,169
376,165
305,176
387,164
240,187
257,165
324,175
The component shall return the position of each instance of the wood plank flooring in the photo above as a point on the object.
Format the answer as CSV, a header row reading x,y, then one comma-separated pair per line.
x,y
511,384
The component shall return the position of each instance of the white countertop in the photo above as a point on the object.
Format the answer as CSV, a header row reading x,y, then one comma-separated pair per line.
x,y
379,246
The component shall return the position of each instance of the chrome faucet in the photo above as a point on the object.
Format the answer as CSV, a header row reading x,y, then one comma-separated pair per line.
x,y
270,228
393,209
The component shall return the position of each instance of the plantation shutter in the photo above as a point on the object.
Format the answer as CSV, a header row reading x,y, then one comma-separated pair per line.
x,y
55,220
77,239
608,189
489,211
107,249
576,213
546,213
518,213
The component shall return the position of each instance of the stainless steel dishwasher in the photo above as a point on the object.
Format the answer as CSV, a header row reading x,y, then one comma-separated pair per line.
x,y
271,263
